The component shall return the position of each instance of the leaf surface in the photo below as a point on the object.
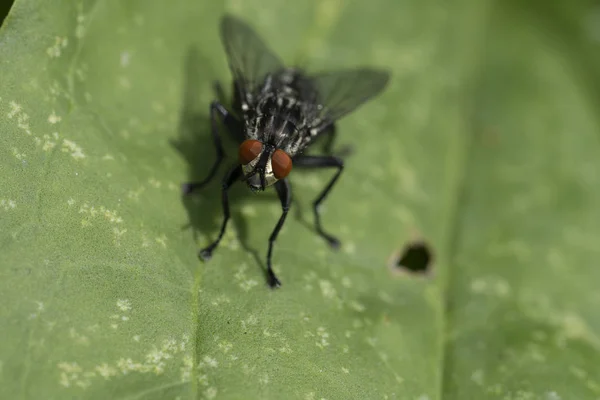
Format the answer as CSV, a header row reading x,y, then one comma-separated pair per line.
x,y
483,145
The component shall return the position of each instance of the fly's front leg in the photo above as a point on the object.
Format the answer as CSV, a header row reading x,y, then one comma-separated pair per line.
x,y
228,180
216,109
322,162
284,192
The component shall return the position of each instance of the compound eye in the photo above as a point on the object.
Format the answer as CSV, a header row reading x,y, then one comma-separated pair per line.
x,y
281,163
249,150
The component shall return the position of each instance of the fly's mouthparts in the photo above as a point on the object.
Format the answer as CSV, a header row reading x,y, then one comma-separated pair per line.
x,y
250,175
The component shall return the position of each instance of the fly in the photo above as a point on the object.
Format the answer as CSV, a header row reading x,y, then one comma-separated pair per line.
x,y
278,112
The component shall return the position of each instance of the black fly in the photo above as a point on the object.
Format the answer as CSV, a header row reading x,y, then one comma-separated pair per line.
x,y
280,112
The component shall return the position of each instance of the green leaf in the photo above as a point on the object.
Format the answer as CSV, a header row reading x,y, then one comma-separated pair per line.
x,y
484,146
522,320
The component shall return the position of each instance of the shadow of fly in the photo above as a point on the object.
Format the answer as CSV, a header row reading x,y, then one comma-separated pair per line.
x,y
277,113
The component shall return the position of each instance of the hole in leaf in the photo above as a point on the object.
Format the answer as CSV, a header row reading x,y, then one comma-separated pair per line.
x,y
415,258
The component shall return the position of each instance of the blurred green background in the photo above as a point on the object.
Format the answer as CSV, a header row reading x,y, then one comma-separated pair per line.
x,y
485,146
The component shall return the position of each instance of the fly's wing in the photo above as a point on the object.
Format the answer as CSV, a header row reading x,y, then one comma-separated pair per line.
x,y
250,60
340,92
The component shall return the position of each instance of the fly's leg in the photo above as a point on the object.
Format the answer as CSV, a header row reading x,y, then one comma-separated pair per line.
x,y
284,192
219,92
330,134
322,162
216,109
229,179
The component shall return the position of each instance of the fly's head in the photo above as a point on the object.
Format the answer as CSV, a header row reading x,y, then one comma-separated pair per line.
x,y
263,164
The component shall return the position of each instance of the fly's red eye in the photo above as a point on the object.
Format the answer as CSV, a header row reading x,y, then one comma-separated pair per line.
x,y
281,163
249,150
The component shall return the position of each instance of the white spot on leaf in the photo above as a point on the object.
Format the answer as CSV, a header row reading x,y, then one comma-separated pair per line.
x,y
78,338
124,305
210,393
263,380
124,58
72,374
158,107
138,19
53,118
124,82
356,306
323,337
8,204
225,346
327,289
248,210
477,377
210,362
155,183
478,285
350,247
69,146
80,28
55,50
18,154
106,371
245,283
15,108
